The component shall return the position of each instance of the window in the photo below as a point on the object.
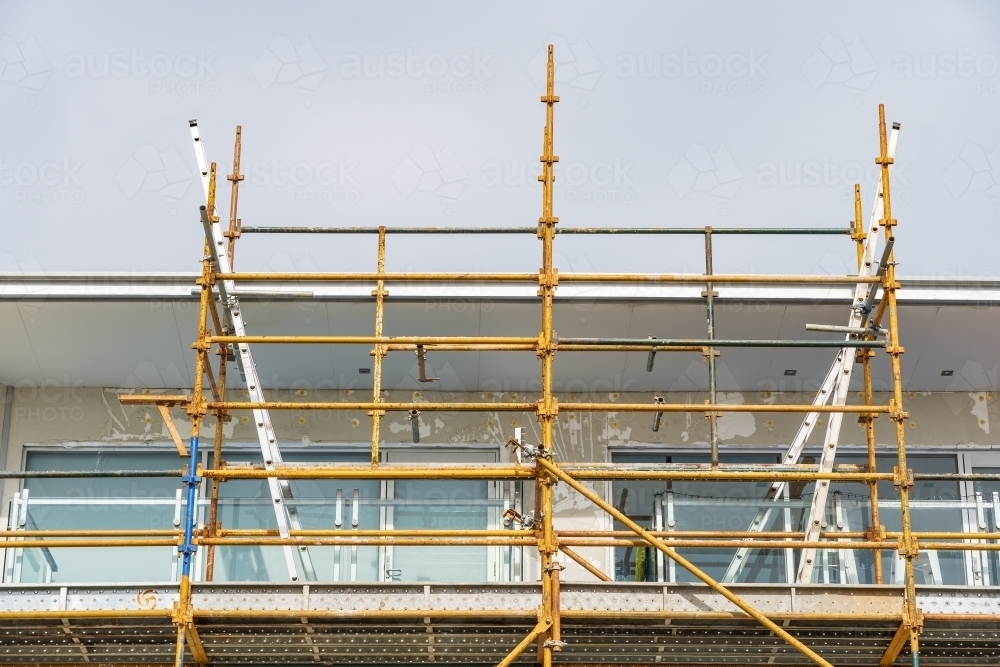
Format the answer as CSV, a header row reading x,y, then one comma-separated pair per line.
x,y
141,503
732,506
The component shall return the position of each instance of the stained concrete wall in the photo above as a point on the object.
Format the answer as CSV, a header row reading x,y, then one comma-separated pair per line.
x,y
53,416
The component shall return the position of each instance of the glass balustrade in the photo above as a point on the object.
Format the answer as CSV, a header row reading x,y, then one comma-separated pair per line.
x,y
345,506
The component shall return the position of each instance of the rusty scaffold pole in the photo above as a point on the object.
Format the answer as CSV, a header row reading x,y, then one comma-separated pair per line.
x,y
378,352
864,357
221,414
542,535
197,409
547,409
908,547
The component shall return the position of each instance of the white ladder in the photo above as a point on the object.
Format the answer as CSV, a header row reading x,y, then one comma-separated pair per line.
x,y
835,385
280,490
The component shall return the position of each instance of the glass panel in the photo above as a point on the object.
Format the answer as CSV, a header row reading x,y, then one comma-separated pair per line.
x,y
988,561
102,503
635,498
732,506
719,506
727,506
935,506
246,504
446,505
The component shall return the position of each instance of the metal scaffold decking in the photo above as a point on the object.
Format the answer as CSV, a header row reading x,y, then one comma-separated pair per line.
x,y
551,621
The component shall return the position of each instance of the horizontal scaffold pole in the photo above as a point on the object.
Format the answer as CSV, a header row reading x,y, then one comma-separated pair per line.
x,y
672,278
790,231
61,474
516,342
531,344
151,399
689,342
497,472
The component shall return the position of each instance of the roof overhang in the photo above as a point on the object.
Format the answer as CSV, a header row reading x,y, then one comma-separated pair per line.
x,y
135,330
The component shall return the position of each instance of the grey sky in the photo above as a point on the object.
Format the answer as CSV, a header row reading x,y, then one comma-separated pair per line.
x,y
681,114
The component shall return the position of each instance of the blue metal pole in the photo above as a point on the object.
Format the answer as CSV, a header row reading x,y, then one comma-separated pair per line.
x,y
191,480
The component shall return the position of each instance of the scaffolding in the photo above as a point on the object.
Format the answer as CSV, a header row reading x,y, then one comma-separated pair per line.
x,y
877,329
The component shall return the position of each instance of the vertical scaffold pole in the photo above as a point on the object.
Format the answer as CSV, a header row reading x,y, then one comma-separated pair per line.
x,y
234,195
196,411
548,409
713,417
865,357
898,416
378,353
222,415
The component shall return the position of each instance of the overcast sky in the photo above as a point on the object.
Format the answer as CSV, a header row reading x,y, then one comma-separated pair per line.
x,y
679,114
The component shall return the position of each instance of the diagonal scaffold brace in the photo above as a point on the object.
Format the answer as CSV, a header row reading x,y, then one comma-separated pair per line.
x,y
280,490
834,388
552,469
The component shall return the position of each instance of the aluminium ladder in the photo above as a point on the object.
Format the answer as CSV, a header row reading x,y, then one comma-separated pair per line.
x,y
280,490
835,385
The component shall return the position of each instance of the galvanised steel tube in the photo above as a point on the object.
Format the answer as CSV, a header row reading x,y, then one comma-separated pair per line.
x,y
718,407
791,231
660,343
465,347
673,278
564,347
713,417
